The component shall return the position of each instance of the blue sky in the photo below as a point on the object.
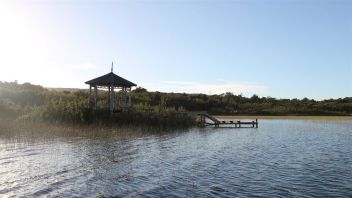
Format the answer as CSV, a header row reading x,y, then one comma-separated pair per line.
x,y
277,48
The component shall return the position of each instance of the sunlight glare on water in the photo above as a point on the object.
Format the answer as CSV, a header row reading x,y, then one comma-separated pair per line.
x,y
280,158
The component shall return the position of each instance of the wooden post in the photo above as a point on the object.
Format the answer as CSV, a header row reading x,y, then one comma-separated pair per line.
x,y
112,98
202,120
109,98
125,97
90,97
121,97
129,98
95,96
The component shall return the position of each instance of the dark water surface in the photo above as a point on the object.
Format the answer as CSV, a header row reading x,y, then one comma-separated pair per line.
x,y
282,158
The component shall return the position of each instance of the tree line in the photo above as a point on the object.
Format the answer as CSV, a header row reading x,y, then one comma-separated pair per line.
x,y
230,104
34,101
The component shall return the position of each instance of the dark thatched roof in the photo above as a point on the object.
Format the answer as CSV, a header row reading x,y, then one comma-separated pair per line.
x,y
110,79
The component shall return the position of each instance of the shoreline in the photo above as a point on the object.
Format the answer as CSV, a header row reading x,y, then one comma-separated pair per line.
x,y
286,117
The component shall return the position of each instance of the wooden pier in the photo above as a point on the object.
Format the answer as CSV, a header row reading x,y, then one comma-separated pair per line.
x,y
207,120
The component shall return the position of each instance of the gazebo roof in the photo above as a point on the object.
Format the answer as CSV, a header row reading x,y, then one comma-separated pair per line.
x,y
110,79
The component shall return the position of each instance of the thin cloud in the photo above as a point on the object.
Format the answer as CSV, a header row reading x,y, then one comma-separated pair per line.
x,y
79,66
207,88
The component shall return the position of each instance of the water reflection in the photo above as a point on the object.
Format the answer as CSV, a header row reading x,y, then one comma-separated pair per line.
x,y
281,158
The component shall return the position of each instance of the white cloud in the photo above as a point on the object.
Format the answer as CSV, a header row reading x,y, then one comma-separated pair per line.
x,y
206,88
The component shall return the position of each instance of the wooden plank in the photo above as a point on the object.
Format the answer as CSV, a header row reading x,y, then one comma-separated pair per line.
x,y
217,123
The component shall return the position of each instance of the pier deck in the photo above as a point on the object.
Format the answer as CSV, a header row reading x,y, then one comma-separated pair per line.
x,y
208,120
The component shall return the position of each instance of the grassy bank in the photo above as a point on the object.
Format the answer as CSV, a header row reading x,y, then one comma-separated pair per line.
x,y
22,98
33,103
162,119
103,118
30,103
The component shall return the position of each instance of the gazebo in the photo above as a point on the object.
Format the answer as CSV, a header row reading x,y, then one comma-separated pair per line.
x,y
111,82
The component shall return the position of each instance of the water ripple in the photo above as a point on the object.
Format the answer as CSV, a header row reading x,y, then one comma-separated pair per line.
x,y
280,159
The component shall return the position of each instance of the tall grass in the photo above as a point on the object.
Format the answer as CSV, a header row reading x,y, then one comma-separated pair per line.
x,y
31,131
79,115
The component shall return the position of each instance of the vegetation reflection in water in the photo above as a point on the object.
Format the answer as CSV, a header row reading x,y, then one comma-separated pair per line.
x,y
281,158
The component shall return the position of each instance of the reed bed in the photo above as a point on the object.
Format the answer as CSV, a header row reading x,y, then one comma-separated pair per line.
x,y
28,129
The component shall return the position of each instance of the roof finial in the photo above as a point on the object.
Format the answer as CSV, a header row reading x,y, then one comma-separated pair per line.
x,y
112,66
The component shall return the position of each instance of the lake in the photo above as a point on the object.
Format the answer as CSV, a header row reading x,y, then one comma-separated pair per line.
x,y
282,158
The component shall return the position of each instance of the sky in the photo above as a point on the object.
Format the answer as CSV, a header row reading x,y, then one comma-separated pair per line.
x,y
277,48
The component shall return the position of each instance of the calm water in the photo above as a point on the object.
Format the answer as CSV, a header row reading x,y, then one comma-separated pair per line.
x,y
279,159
